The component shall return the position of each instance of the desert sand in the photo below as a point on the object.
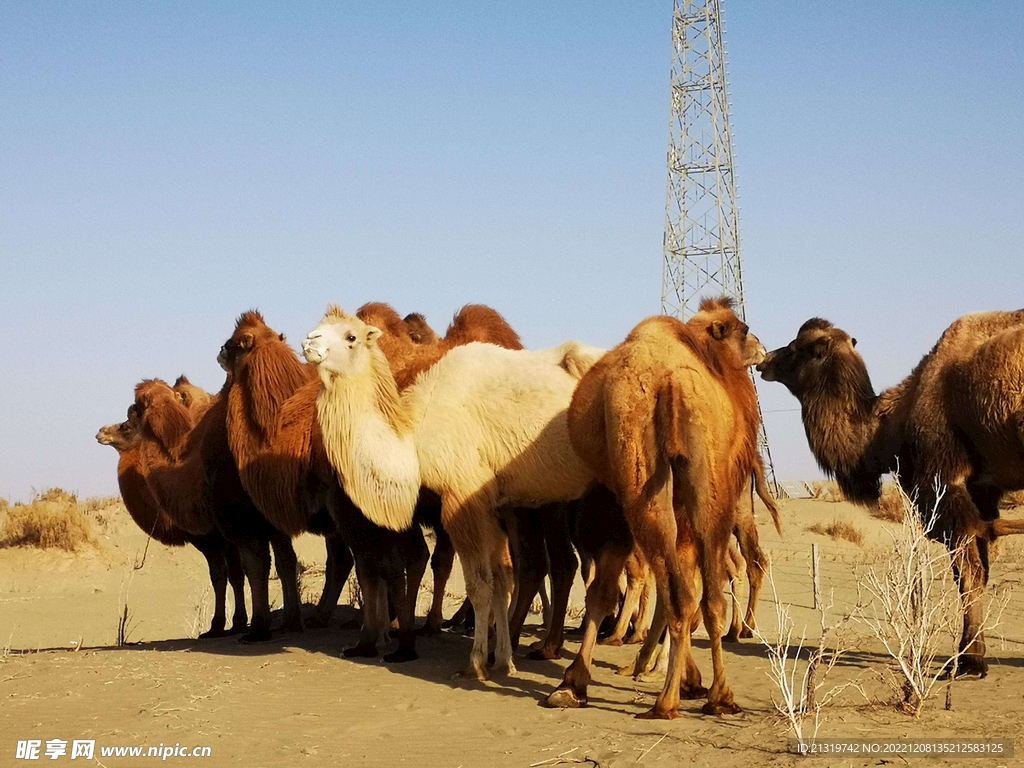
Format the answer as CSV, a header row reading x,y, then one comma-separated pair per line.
x,y
295,701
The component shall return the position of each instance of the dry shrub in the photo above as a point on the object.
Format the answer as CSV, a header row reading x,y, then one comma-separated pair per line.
x,y
1012,500
96,503
828,490
47,523
58,495
4,504
890,506
839,530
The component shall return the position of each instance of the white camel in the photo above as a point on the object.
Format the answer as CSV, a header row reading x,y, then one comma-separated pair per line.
x,y
483,428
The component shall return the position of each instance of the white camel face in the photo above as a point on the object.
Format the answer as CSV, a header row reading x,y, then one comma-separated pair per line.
x,y
341,346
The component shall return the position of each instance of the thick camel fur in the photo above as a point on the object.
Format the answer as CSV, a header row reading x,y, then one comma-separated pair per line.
x,y
485,425
955,424
141,502
669,421
277,445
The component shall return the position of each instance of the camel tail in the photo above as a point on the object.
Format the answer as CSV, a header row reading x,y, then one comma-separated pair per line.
x,y
762,491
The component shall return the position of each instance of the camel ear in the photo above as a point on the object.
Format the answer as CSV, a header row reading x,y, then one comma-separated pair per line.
x,y
281,337
718,330
372,334
246,341
853,341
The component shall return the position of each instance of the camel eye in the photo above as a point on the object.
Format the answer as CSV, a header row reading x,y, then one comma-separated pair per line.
x,y
350,338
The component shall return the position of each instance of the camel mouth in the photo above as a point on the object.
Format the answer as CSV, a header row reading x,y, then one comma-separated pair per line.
x,y
222,360
103,438
313,353
758,357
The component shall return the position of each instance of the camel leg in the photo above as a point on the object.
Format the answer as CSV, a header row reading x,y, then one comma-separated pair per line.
x,y
642,664
373,615
757,565
441,562
712,561
602,596
501,567
236,578
479,588
562,564
645,610
213,548
734,565
532,568
287,565
339,566
960,515
631,602
255,556
413,556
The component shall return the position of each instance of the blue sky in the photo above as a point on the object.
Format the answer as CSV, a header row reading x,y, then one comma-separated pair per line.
x,y
165,166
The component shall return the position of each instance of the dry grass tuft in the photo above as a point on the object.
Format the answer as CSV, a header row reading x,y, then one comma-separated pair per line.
x,y
51,521
890,507
839,530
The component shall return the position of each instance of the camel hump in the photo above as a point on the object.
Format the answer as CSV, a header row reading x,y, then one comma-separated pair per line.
x,y
577,359
478,322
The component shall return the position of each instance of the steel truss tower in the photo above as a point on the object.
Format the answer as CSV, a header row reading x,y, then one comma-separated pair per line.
x,y
702,239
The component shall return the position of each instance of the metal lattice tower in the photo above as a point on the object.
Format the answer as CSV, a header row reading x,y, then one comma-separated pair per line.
x,y
702,239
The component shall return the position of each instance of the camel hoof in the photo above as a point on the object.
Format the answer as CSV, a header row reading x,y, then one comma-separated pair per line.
x,y
544,653
293,624
318,622
731,637
968,666
659,714
565,698
507,669
238,628
650,676
401,655
213,632
429,629
255,635
691,692
613,641
746,633
628,671
635,639
721,708
361,651
473,673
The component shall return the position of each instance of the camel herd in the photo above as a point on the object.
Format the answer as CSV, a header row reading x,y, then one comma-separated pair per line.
x,y
636,459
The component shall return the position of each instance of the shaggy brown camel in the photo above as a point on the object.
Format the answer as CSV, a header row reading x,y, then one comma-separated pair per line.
x,y
955,423
190,469
222,560
668,420
276,442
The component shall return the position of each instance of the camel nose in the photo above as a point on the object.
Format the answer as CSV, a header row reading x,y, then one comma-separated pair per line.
x,y
765,361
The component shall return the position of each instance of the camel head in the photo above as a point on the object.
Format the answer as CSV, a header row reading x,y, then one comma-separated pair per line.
x,y
419,330
718,320
192,397
123,436
342,345
162,414
815,360
250,331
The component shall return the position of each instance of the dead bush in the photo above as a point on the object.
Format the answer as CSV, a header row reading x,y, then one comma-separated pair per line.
x,y
839,530
828,490
890,506
47,524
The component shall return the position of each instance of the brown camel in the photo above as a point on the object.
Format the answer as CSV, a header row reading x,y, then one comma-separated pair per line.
x,y
668,420
956,422
222,560
278,448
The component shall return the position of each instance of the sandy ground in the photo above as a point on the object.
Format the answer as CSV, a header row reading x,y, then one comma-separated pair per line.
x,y
295,701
